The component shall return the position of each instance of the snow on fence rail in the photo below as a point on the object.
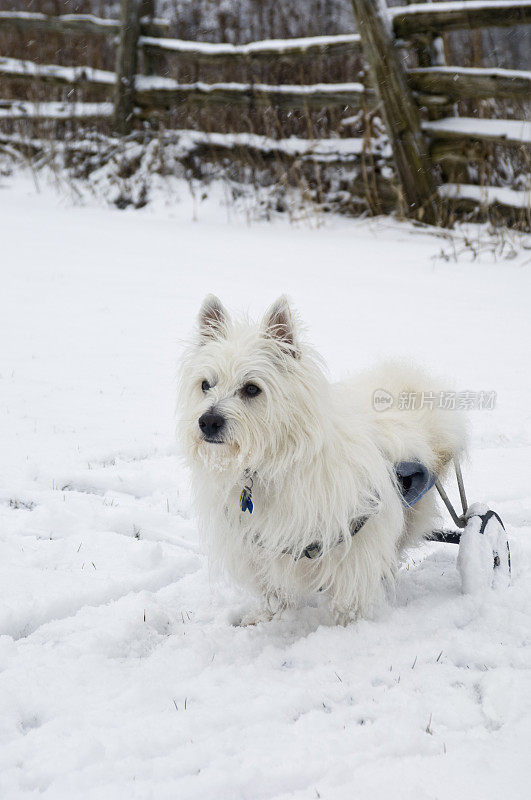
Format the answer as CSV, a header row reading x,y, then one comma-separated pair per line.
x,y
219,145
152,92
460,140
486,196
260,52
17,69
83,24
452,16
456,83
17,109
497,131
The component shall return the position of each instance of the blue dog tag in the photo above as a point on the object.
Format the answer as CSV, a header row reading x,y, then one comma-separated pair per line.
x,y
246,502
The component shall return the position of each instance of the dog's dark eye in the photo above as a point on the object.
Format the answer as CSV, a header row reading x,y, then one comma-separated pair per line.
x,y
251,390
205,386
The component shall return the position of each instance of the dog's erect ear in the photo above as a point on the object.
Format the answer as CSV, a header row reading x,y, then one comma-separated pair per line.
x,y
278,324
212,319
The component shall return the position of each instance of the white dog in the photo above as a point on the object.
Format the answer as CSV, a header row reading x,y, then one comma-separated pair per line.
x,y
294,478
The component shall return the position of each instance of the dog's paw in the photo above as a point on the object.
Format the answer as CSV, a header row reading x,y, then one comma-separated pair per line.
x,y
255,617
344,617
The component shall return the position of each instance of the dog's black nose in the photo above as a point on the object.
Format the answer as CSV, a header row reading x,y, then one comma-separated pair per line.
x,y
211,424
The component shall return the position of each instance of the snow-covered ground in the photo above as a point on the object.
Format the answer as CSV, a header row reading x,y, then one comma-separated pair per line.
x,y
120,673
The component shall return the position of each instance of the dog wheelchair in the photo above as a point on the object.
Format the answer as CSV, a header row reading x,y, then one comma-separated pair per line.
x,y
484,557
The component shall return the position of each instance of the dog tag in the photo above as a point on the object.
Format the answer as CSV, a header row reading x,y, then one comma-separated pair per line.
x,y
246,502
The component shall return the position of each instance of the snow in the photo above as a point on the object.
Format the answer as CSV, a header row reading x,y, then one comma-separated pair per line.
x,y
264,45
487,195
120,673
514,129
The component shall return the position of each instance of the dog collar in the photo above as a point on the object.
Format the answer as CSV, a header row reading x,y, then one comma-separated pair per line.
x,y
316,549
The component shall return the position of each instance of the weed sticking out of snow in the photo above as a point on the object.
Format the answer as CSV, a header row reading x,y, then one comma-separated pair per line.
x,y
473,242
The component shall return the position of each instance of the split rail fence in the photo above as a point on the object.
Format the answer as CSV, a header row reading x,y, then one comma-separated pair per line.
x,y
417,105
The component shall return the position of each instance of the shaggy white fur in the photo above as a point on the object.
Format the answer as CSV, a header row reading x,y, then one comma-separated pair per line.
x,y
319,456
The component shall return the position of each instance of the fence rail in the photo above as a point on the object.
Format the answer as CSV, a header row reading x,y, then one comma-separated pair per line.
x,y
255,52
52,74
81,24
457,83
398,92
17,109
441,17
513,132
164,93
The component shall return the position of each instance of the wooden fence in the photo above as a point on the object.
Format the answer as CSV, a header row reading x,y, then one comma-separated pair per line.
x,y
419,146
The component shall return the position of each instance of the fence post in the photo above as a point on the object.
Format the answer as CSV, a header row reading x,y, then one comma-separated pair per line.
x,y
126,66
410,152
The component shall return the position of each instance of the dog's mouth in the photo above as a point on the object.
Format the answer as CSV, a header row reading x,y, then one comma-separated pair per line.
x,y
216,454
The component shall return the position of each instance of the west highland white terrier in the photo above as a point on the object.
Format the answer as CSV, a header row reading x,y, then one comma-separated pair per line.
x,y
294,477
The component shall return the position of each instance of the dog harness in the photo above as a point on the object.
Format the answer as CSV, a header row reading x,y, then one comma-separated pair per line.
x,y
413,480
